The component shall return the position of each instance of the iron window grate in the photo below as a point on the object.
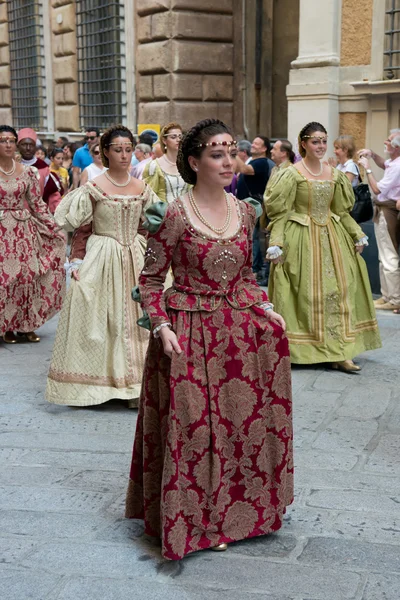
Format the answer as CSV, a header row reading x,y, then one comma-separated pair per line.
x,y
27,65
391,53
101,62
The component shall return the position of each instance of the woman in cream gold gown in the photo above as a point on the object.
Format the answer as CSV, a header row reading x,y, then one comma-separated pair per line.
x,y
319,282
99,349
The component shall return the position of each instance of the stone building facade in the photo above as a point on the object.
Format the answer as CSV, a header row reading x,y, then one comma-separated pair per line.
x,y
263,66
345,75
182,61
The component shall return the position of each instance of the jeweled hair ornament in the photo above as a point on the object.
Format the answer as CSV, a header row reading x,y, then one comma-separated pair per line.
x,y
224,143
315,137
120,144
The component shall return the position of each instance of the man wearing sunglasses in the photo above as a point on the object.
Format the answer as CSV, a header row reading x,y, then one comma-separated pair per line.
x,y
82,157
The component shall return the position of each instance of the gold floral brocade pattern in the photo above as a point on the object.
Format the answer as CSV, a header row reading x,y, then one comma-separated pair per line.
x,y
212,459
32,255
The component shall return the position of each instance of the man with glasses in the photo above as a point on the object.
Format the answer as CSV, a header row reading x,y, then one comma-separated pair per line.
x,y
26,144
82,157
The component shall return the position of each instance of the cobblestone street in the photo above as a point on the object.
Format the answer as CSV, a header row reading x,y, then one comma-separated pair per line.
x,y
64,473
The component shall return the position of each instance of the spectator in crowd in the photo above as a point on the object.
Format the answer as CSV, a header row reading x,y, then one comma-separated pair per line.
x,y
244,151
69,151
27,148
146,138
345,149
387,223
96,168
82,157
56,166
143,155
41,153
252,182
157,150
282,154
61,141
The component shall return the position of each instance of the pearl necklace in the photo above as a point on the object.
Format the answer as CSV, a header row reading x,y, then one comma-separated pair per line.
x,y
12,171
311,173
116,182
173,164
217,230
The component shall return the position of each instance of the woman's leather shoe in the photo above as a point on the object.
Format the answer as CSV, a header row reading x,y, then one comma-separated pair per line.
x,y
9,337
347,366
32,337
220,548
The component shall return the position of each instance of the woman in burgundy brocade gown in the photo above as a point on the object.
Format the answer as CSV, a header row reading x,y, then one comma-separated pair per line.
x,y
212,460
32,250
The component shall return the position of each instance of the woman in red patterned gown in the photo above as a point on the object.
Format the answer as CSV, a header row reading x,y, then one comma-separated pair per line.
x,y
212,459
32,250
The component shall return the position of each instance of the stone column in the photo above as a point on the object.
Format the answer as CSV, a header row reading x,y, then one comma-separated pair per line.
x,y
185,60
65,66
5,74
313,90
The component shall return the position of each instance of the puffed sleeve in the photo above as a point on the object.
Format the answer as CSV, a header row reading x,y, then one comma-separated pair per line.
x,y
279,198
75,209
342,203
152,175
165,229
38,208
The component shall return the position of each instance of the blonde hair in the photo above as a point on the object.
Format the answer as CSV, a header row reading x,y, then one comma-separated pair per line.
x,y
346,142
166,129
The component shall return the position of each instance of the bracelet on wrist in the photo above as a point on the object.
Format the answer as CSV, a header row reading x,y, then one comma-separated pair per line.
x,y
267,306
157,329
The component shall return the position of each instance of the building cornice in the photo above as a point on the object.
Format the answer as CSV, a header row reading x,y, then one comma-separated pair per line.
x,y
377,88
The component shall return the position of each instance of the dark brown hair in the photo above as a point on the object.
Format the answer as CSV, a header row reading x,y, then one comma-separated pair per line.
x,y
191,145
109,135
308,130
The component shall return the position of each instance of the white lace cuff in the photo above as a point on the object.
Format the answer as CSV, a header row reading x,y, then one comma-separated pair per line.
x,y
157,329
362,241
274,252
72,266
267,306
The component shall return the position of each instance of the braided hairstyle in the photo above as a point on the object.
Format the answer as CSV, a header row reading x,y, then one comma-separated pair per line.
x,y
190,145
109,135
307,130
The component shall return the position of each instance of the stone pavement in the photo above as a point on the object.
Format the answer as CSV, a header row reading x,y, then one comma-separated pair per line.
x,y
63,474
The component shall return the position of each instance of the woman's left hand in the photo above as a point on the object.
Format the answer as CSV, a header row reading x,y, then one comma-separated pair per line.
x,y
360,248
276,318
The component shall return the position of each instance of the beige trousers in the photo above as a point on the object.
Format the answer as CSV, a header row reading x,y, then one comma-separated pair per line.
x,y
389,261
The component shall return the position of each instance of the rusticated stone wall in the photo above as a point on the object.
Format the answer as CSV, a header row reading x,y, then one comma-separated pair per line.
x,y
354,124
65,69
356,39
5,74
185,60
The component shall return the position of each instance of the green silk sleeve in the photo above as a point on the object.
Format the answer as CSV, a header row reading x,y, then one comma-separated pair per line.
x,y
154,216
279,198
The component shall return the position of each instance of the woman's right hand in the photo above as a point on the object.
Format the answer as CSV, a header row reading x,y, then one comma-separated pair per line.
x,y
169,342
75,274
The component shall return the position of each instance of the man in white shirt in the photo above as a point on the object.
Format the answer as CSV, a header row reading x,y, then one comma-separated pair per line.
x,y
387,223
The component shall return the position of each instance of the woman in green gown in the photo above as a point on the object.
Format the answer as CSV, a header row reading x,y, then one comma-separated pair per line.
x,y
318,280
